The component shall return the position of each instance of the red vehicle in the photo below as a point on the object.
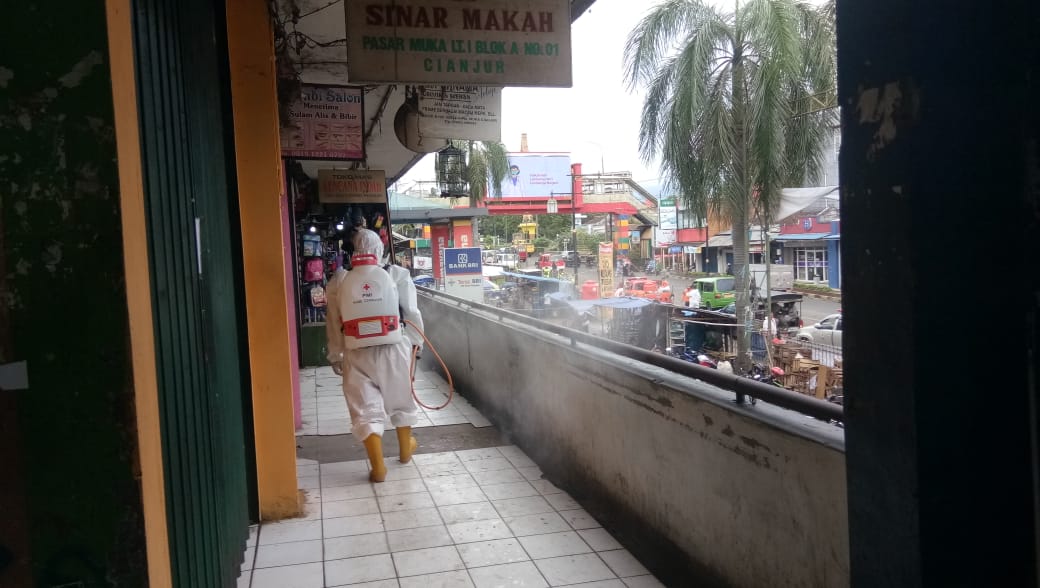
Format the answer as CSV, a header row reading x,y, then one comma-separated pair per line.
x,y
649,289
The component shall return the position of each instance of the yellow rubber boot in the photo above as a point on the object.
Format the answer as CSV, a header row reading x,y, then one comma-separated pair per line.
x,y
408,443
374,447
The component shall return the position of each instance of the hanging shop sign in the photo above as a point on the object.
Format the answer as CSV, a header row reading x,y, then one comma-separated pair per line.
x,y
325,122
469,113
606,269
359,186
489,43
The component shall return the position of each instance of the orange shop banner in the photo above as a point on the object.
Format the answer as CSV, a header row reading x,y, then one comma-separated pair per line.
x,y
358,186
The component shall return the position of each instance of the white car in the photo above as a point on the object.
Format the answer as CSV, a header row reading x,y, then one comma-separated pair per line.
x,y
825,332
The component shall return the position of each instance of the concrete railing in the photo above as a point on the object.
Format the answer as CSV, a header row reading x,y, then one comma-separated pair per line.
x,y
742,495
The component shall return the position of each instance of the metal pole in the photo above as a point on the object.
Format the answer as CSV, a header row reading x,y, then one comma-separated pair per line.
x,y
574,239
769,292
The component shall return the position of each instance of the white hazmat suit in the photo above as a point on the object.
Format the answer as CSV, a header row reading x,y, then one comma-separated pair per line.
x,y
375,364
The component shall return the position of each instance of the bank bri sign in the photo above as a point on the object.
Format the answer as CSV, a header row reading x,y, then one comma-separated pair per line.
x,y
460,261
487,43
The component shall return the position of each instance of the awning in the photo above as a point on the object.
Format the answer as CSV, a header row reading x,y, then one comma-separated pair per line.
x,y
836,237
796,200
534,278
801,237
721,241
626,302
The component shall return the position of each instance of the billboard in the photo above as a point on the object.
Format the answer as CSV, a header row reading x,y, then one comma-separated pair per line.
x,y
537,175
487,43
665,233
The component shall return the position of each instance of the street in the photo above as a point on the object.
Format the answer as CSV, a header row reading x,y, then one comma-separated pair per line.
x,y
813,309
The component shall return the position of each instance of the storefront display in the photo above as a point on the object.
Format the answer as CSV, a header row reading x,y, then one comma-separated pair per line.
x,y
811,264
323,232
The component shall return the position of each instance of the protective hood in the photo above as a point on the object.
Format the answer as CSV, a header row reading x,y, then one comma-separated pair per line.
x,y
367,242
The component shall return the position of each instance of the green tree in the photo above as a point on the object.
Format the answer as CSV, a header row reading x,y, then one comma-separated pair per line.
x,y
587,242
727,108
487,166
556,227
504,226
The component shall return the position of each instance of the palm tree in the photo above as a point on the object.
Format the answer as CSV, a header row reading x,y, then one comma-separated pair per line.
x,y
487,166
725,108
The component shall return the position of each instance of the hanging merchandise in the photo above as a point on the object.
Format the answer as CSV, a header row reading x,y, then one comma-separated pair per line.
x,y
314,270
384,233
317,297
312,246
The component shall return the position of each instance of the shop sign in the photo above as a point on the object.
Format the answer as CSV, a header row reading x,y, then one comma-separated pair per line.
x,y
325,122
359,186
464,273
663,237
606,269
669,214
488,43
422,263
665,233
470,113
462,261
440,242
633,236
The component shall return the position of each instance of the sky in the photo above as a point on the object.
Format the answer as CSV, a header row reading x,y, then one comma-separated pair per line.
x,y
595,120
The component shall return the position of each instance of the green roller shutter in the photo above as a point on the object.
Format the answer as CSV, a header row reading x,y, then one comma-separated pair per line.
x,y
193,250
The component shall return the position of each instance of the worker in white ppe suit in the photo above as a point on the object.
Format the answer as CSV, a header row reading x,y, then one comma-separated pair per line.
x,y
373,347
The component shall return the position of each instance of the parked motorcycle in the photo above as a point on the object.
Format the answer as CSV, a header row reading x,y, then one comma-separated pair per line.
x,y
769,376
692,357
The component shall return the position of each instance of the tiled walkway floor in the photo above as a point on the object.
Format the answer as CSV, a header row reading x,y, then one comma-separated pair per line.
x,y
478,518
324,409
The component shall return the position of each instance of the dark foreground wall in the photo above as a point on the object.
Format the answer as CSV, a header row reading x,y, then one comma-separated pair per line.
x,y
745,497
70,501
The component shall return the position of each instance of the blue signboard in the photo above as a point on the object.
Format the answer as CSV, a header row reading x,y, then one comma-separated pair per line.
x,y
462,261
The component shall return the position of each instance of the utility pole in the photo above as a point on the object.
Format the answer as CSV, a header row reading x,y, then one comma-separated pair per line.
x,y
574,232
574,241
